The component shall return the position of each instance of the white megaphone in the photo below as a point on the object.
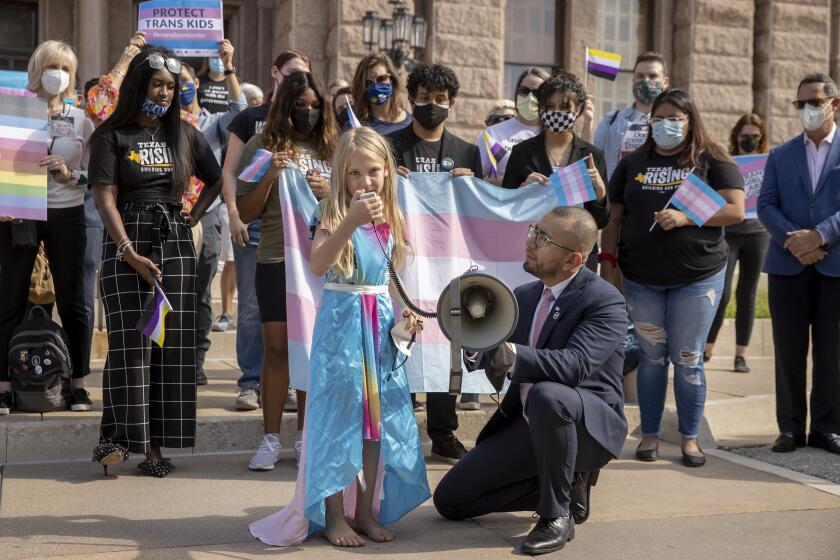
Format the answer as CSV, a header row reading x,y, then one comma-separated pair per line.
x,y
476,312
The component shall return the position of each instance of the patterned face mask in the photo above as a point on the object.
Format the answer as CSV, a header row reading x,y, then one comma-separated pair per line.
x,y
558,121
153,110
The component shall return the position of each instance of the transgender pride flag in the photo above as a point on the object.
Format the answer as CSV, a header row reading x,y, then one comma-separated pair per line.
x,y
697,199
258,167
572,184
453,223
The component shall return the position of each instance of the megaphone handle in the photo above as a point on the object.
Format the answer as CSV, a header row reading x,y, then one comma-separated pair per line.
x,y
455,373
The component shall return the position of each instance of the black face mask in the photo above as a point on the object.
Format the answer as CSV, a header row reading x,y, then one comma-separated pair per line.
x,y
343,117
304,119
430,115
749,144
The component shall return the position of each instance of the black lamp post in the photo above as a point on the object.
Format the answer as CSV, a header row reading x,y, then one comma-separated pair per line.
x,y
402,38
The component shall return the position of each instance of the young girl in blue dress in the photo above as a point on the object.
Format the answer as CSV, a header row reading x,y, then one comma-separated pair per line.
x,y
362,465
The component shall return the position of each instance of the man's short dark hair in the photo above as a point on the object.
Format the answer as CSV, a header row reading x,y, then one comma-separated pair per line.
x,y
652,56
829,87
561,81
580,224
433,77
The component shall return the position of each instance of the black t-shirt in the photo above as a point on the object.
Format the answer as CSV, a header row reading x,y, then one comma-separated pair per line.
x,y
249,122
426,156
213,96
643,182
141,167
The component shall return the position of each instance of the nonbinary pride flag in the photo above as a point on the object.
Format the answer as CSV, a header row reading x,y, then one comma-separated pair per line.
x,y
697,199
572,184
152,322
495,152
24,137
602,64
258,167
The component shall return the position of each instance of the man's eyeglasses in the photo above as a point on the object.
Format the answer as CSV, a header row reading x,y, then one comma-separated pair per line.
x,y
539,238
158,62
818,102
380,79
655,120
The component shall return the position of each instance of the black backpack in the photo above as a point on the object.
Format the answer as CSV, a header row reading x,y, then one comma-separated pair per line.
x,y
39,364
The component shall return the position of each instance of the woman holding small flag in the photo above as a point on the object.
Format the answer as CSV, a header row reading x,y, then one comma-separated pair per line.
x,y
673,270
142,159
561,100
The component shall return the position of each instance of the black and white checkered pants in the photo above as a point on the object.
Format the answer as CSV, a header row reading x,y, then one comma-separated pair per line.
x,y
149,393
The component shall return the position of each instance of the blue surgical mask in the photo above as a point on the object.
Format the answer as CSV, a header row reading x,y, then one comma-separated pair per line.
x,y
379,94
217,66
153,110
187,93
668,134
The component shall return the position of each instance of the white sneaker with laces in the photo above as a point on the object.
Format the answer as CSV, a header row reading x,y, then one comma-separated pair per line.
x,y
298,446
267,455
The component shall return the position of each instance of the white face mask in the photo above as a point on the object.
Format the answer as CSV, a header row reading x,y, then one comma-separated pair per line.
x,y
812,117
54,81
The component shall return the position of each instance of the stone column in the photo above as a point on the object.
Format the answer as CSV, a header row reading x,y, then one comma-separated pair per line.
x,y
91,38
713,59
468,36
120,21
791,40
581,24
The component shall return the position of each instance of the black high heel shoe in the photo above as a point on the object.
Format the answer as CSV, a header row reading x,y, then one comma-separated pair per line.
x,y
109,453
648,454
159,468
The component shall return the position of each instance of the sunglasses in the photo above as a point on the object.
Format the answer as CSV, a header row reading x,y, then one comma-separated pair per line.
x,y
819,102
380,79
496,119
159,62
540,239
525,91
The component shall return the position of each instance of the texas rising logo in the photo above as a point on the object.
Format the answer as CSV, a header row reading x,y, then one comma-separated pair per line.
x,y
662,179
152,157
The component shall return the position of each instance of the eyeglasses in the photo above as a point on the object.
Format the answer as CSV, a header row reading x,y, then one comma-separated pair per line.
x,y
380,79
525,91
158,62
818,102
655,120
496,119
539,238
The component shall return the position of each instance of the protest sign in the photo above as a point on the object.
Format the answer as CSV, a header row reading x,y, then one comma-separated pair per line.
x,y
188,27
752,168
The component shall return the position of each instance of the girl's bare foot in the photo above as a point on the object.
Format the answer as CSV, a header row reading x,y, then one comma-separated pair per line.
x,y
339,533
367,524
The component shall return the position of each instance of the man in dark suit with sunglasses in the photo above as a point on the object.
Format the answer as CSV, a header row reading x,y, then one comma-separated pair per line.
x,y
562,418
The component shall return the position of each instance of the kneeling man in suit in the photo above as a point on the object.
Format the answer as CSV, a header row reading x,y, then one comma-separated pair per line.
x,y
562,418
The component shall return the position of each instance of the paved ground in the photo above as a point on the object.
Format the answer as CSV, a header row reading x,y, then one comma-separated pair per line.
x,y
652,511
814,462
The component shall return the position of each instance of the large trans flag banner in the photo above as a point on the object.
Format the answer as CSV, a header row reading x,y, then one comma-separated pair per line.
x,y
453,223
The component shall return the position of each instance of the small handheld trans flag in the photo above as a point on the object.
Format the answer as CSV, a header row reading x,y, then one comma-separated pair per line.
x,y
698,200
152,322
352,118
572,184
602,64
495,152
258,167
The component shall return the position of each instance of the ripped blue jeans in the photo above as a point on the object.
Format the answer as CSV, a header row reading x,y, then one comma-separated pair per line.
x,y
672,323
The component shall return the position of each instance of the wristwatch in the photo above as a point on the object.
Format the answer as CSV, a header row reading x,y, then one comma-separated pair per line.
x,y
231,71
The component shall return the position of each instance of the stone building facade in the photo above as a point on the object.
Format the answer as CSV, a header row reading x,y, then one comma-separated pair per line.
x,y
733,56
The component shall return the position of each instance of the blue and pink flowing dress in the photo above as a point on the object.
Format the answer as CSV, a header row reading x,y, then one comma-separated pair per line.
x,y
354,394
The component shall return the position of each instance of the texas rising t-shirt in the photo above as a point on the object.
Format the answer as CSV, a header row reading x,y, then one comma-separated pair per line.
x,y
644,182
139,162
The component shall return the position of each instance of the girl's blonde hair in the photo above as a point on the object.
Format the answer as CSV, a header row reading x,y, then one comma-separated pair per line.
x,y
366,140
47,53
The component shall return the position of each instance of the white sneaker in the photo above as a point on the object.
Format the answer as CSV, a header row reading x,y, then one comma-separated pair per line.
x,y
267,455
298,446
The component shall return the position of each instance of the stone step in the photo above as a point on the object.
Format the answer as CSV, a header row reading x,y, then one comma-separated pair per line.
x,y
739,409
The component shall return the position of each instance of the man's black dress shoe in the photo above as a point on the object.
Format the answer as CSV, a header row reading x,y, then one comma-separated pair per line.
x,y
829,442
787,442
583,483
549,535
